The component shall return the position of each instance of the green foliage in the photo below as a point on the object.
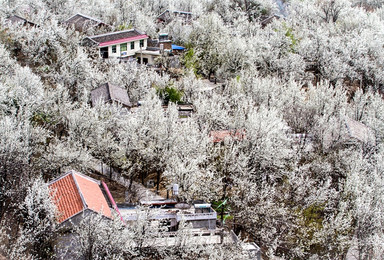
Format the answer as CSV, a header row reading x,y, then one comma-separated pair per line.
x,y
313,215
222,206
263,11
190,60
124,26
41,118
170,94
289,34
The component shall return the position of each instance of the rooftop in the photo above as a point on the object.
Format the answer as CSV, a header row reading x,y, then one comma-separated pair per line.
x,y
15,19
117,37
80,21
74,192
220,135
166,15
108,92
164,212
359,131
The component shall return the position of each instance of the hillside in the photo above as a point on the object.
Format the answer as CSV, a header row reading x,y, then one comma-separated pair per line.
x,y
273,110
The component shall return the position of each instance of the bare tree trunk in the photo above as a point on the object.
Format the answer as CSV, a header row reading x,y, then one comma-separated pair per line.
x,y
130,182
158,181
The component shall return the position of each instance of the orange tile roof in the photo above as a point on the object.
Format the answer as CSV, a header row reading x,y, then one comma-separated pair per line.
x,y
93,195
74,192
66,197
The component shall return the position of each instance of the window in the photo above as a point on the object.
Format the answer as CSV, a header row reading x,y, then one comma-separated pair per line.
x,y
141,43
104,52
113,48
132,45
123,47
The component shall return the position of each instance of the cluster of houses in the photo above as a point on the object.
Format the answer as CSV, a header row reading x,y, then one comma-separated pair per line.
x,y
126,45
110,93
76,196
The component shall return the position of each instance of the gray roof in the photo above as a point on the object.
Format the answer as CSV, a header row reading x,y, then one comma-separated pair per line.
x,y
115,36
167,17
15,19
359,131
265,21
81,22
109,93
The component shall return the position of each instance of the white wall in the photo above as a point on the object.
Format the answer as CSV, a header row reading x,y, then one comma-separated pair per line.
x,y
129,52
151,58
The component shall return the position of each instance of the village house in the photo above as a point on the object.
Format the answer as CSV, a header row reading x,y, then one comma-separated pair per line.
x,y
16,20
81,22
348,133
358,132
219,136
126,45
185,110
201,216
76,195
167,16
162,42
109,93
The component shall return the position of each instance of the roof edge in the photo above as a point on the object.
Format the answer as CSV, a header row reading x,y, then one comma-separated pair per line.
x,y
87,177
59,178
85,16
102,213
79,190
92,40
111,33
71,172
80,212
123,40
174,11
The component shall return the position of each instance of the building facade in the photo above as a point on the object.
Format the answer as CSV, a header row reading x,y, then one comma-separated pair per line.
x,y
123,44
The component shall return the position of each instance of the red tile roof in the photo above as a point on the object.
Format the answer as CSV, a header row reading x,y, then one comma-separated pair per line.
x,y
74,192
220,135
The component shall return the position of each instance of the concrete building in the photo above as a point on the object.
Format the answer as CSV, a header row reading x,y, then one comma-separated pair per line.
x,y
200,216
122,44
